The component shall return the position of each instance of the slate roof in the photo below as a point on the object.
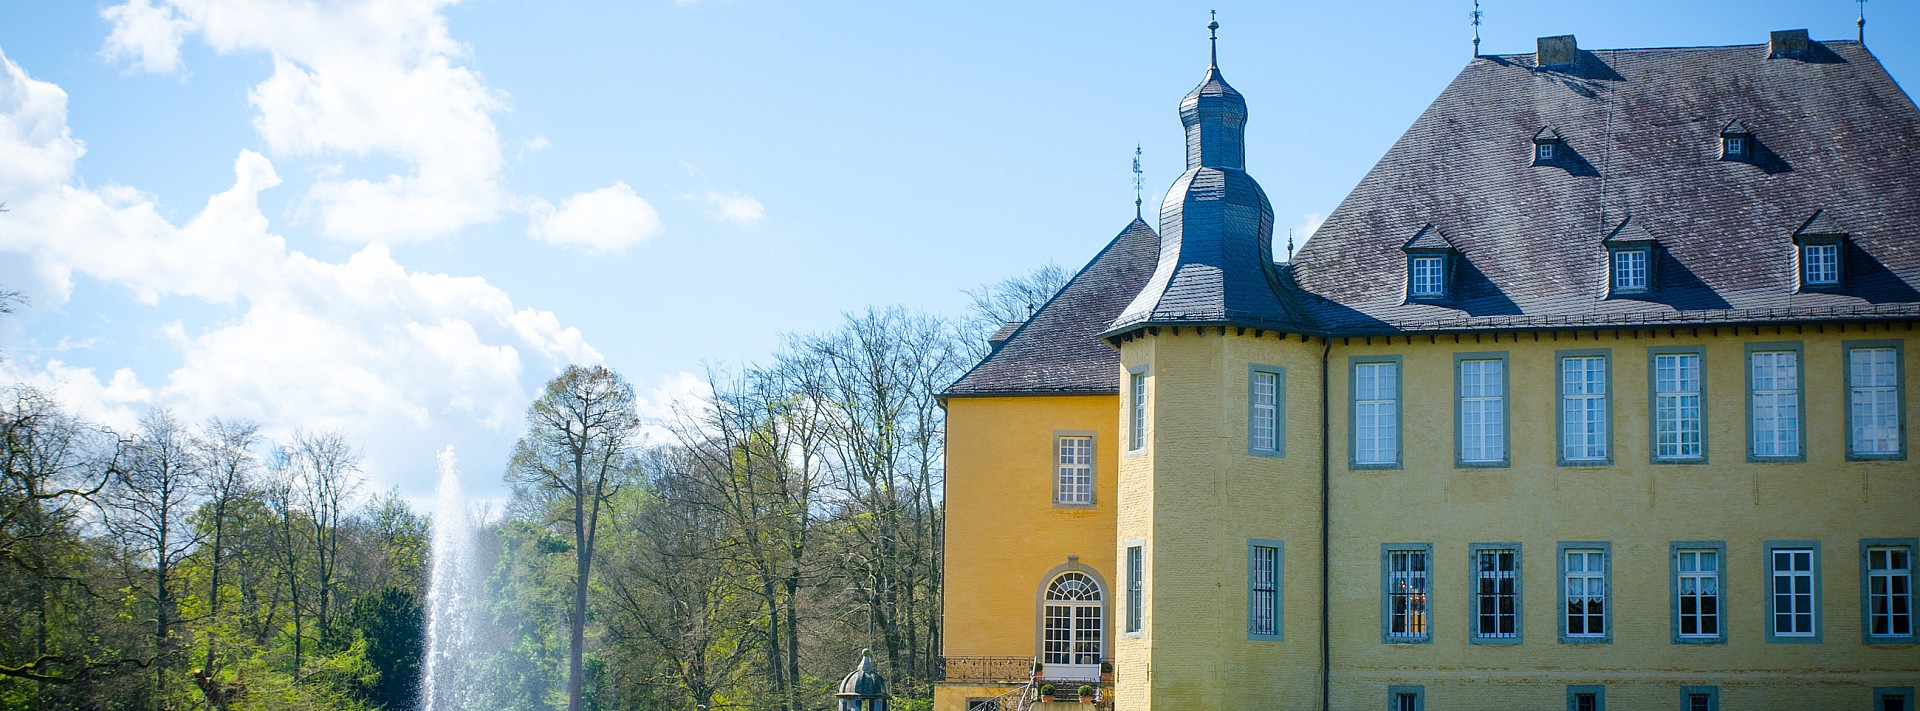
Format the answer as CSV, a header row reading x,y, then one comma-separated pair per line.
x,y
1429,238
1840,135
1059,349
1630,232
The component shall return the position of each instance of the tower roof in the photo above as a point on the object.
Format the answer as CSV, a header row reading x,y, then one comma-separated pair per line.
x,y
1216,229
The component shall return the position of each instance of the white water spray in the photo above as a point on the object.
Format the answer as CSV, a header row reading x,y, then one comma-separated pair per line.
x,y
447,679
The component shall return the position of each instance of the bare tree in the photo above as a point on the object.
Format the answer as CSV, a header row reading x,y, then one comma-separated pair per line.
x,y
225,449
1011,299
327,469
750,453
577,451
150,502
879,375
280,492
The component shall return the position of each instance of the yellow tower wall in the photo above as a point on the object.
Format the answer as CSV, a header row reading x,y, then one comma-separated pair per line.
x,y
1637,506
1196,497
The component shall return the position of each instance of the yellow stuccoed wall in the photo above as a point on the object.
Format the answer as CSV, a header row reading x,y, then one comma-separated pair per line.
x,y
1004,534
1639,507
1196,497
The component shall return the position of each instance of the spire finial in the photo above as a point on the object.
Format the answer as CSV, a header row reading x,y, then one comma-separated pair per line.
x,y
1476,29
1138,181
1213,39
1861,23
1289,244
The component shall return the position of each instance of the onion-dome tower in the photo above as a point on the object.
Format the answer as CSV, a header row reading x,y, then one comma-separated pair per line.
x,y
1216,226
863,690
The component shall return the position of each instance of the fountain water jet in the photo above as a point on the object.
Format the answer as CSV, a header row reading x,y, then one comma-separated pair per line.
x,y
447,678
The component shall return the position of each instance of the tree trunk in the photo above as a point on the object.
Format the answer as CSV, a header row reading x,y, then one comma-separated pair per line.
x,y
577,622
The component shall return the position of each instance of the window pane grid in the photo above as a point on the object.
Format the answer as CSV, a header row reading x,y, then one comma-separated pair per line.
x,y
1376,410
1407,593
1792,594
1630,269
1134,578
1583,397
1497,594
1775,386
1074,481
1873,400
1699,589
1483,435
1677,406
1822,263
1265,591
1586,581
1265,412
1428,276
1137,425
1890,592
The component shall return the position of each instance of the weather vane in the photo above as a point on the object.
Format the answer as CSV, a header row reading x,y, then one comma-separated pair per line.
x,y
1139,183
1476,28
1213,38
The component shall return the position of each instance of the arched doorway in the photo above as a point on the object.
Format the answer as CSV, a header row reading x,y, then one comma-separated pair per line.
x,y
1073,617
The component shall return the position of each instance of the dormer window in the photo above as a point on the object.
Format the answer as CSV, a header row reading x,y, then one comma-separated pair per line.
x,y
1736,141
1819,244
1820,264
1629,270
1631,251
1429,277
1429,265
1546,145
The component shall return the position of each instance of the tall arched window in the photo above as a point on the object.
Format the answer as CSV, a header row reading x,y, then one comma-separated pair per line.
x,y
1075,622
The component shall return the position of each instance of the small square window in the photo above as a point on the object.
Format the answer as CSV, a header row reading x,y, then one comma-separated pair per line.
x,y
1734,146
1820,264
1543,151
1429,277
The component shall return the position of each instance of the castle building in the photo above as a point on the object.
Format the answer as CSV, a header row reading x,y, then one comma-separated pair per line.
x,y
1593,392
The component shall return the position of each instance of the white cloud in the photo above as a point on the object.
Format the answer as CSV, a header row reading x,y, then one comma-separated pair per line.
x,y
392,356
608,220
145,35
739,209
351,79
536,144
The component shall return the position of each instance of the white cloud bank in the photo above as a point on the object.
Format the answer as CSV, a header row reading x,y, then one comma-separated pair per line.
x,y
352,79
403,361
608,220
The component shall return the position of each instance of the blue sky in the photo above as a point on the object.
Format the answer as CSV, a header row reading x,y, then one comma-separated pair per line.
x,y
399,218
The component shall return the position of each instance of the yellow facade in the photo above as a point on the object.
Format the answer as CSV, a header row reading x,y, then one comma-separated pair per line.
x,y
1005,536
1193,497
1636,506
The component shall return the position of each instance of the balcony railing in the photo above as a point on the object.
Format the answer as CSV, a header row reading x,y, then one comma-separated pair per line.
x,y
987,670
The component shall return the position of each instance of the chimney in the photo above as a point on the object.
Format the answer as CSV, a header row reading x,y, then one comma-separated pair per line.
x,y
1556,51
999,338
1787,43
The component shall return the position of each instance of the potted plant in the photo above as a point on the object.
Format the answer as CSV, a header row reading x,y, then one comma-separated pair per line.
x,y
1086,693
1106,672
1046,692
